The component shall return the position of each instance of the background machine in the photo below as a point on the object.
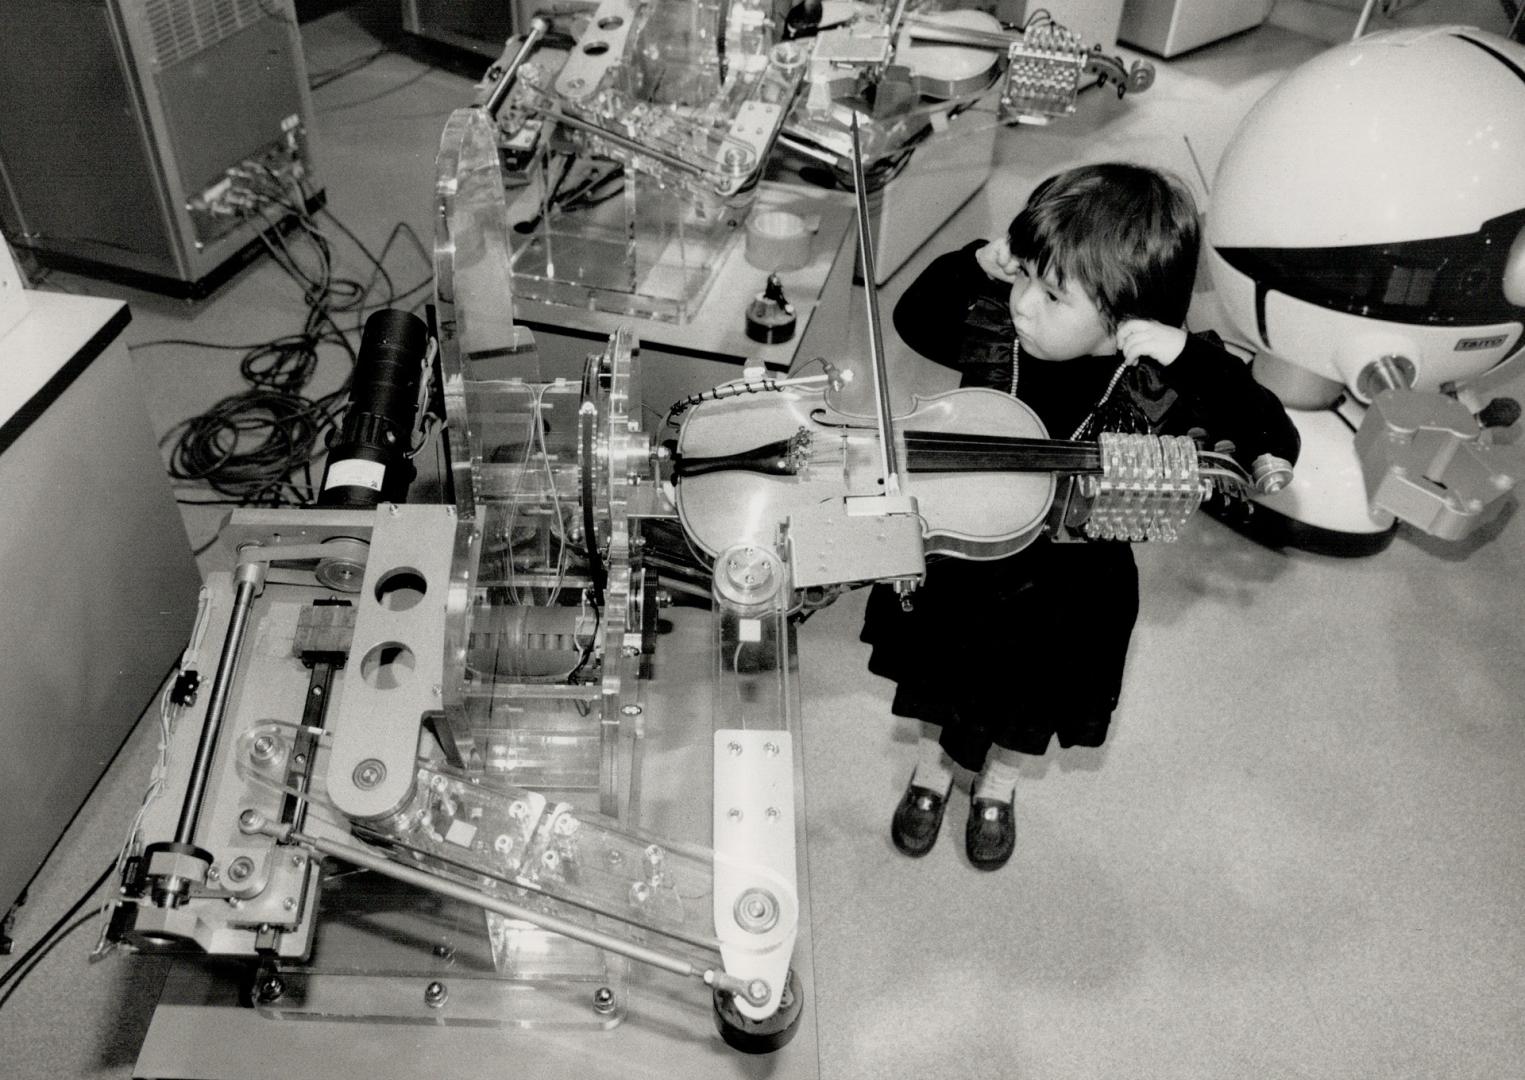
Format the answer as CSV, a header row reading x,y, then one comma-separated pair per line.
x,y
128,123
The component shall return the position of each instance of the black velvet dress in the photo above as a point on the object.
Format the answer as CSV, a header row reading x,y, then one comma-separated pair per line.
x,y
1016,651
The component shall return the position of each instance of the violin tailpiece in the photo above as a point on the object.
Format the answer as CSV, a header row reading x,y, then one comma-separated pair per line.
x,y
1149,485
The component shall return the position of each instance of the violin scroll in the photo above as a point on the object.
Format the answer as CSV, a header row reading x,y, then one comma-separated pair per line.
x,y
1135,78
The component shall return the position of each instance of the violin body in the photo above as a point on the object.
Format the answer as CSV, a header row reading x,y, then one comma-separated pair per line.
x,y
980,515
945,70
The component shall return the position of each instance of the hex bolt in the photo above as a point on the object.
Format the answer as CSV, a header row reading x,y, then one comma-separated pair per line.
x,y
436,994
603,1000
757,991
771,749
734,748
264,749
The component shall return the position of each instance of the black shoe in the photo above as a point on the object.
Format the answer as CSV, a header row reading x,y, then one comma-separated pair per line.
x,y
991,834
917,819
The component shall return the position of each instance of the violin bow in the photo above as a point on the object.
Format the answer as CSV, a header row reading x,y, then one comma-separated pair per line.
x,y
888,464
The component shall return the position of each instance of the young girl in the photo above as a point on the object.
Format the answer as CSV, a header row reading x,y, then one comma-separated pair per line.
x,y
1077,311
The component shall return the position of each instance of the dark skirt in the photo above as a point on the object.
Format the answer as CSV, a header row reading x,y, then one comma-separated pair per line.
x,y
1010,652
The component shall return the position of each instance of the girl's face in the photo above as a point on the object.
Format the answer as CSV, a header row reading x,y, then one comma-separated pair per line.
x,y
1056,323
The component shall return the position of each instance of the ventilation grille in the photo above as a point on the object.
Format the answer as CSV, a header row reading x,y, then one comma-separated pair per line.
x,y
182,28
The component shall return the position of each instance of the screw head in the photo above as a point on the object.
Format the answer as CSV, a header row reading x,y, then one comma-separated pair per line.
x,y
436,994
264,748
603,1000
369,773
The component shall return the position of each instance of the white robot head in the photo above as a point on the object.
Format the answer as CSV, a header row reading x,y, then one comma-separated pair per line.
x,y
1367,225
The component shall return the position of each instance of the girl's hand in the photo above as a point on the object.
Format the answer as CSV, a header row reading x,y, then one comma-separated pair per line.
x,y
1140,337
996,259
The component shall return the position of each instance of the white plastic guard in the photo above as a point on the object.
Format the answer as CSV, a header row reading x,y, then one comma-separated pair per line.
x,y
756,897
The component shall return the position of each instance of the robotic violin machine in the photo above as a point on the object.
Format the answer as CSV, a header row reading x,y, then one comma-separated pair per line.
x,y
404,799
403,782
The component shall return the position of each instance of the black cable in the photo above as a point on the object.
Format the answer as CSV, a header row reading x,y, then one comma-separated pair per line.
x,y
409,81
42,942
259,446
321,79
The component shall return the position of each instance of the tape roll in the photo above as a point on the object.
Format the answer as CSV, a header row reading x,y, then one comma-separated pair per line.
x,y
777,240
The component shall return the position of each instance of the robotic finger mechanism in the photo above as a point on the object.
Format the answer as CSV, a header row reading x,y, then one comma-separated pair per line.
x,y
402,769
1375,262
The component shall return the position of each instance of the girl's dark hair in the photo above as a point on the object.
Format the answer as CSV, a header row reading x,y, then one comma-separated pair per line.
x,y
1128,235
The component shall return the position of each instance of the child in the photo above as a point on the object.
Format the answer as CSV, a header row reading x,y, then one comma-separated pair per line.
x,y
1076,310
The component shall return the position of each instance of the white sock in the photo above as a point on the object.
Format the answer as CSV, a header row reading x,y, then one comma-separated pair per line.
x,y
998,779
933,769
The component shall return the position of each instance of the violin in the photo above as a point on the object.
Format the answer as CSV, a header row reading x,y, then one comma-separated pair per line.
x,y
980,464
742,465
1043,42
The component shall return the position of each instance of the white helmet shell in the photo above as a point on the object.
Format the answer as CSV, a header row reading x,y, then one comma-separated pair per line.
x,y
1372,205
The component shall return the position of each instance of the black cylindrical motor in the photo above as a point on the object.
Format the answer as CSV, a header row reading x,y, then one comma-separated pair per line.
x,y
368,463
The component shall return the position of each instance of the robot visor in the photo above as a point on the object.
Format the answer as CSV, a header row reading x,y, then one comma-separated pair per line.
x,y
1469,280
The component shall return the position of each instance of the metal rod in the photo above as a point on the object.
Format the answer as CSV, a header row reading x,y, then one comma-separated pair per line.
x,y
621,140
465,894
889,467
251,578
923,30
495,100
1363,19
